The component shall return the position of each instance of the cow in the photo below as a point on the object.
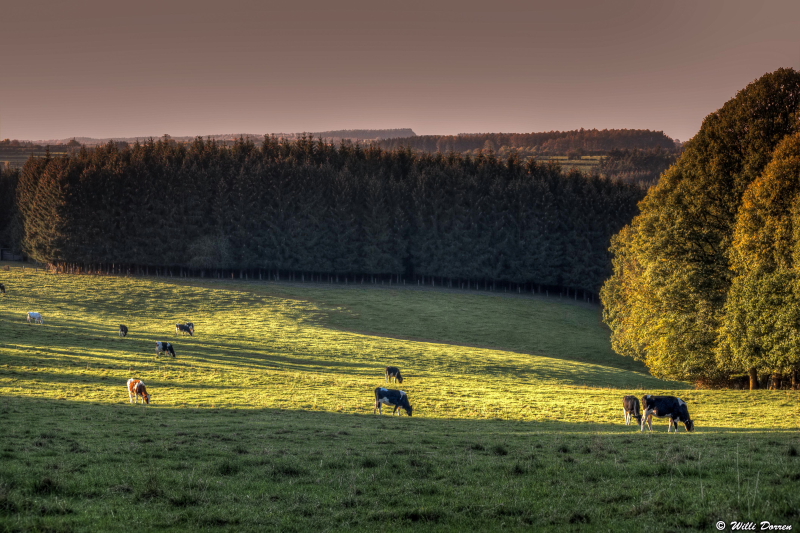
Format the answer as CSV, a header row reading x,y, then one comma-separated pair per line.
x,y
35,317
393,372
630,408
397,398
136,390
123,330
662,406
2,288
184,328
164,347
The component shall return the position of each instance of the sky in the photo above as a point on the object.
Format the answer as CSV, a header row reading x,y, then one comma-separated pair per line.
x,y
147,68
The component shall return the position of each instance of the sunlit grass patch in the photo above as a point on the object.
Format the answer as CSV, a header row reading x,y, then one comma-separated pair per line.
x,y
263,421
261,345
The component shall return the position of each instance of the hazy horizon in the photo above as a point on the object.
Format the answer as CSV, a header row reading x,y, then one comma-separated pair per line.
x,y
92,69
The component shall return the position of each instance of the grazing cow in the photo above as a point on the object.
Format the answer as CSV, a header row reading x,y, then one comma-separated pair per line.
x,y
397,398
2,288
123,330
662,406
630,407
184,328
164,347
136,390
35,317
393,372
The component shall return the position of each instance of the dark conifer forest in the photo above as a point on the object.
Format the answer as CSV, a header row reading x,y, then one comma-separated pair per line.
x,y
10,222
310,210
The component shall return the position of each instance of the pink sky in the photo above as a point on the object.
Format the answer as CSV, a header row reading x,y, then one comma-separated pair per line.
x,y
145,68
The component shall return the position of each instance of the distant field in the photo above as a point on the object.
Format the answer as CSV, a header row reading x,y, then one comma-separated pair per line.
x,y
264,420
587,164
18,159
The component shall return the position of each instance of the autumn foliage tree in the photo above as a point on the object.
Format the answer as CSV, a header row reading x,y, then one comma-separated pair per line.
x,y
761,328
669,302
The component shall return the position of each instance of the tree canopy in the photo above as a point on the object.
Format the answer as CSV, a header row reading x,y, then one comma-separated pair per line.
x,y
717,214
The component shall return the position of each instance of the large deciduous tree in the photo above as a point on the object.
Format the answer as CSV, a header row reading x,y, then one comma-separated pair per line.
x,y
761,326
665,302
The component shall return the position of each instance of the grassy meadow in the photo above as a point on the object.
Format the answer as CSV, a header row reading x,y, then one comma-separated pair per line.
x,y
264,419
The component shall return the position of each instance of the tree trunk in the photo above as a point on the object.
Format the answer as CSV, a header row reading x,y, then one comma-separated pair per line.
x,y
776,380
753,379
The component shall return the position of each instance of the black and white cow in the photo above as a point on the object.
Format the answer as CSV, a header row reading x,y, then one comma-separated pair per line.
x,y
397,398
669,406
631,409
185,328
123,330
393,372
164,347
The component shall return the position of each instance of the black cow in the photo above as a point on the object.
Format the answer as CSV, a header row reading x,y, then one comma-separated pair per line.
x,y
185,328
164,347
397,398
669,406
123,330
393,372
630,407
2,288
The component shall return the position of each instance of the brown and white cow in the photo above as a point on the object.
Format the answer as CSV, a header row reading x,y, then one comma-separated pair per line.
x,y
136,390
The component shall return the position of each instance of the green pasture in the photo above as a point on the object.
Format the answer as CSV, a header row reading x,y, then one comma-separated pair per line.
x,y
587,164
264,419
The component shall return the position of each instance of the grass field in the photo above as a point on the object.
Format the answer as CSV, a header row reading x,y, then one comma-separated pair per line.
x,y
264,420
18,159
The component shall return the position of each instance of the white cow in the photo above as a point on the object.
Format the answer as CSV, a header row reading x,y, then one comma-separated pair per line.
x,y
35,317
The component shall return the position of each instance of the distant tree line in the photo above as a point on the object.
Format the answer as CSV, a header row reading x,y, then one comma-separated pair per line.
x,y
10,146
643,167
310,210
706,283
581,142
